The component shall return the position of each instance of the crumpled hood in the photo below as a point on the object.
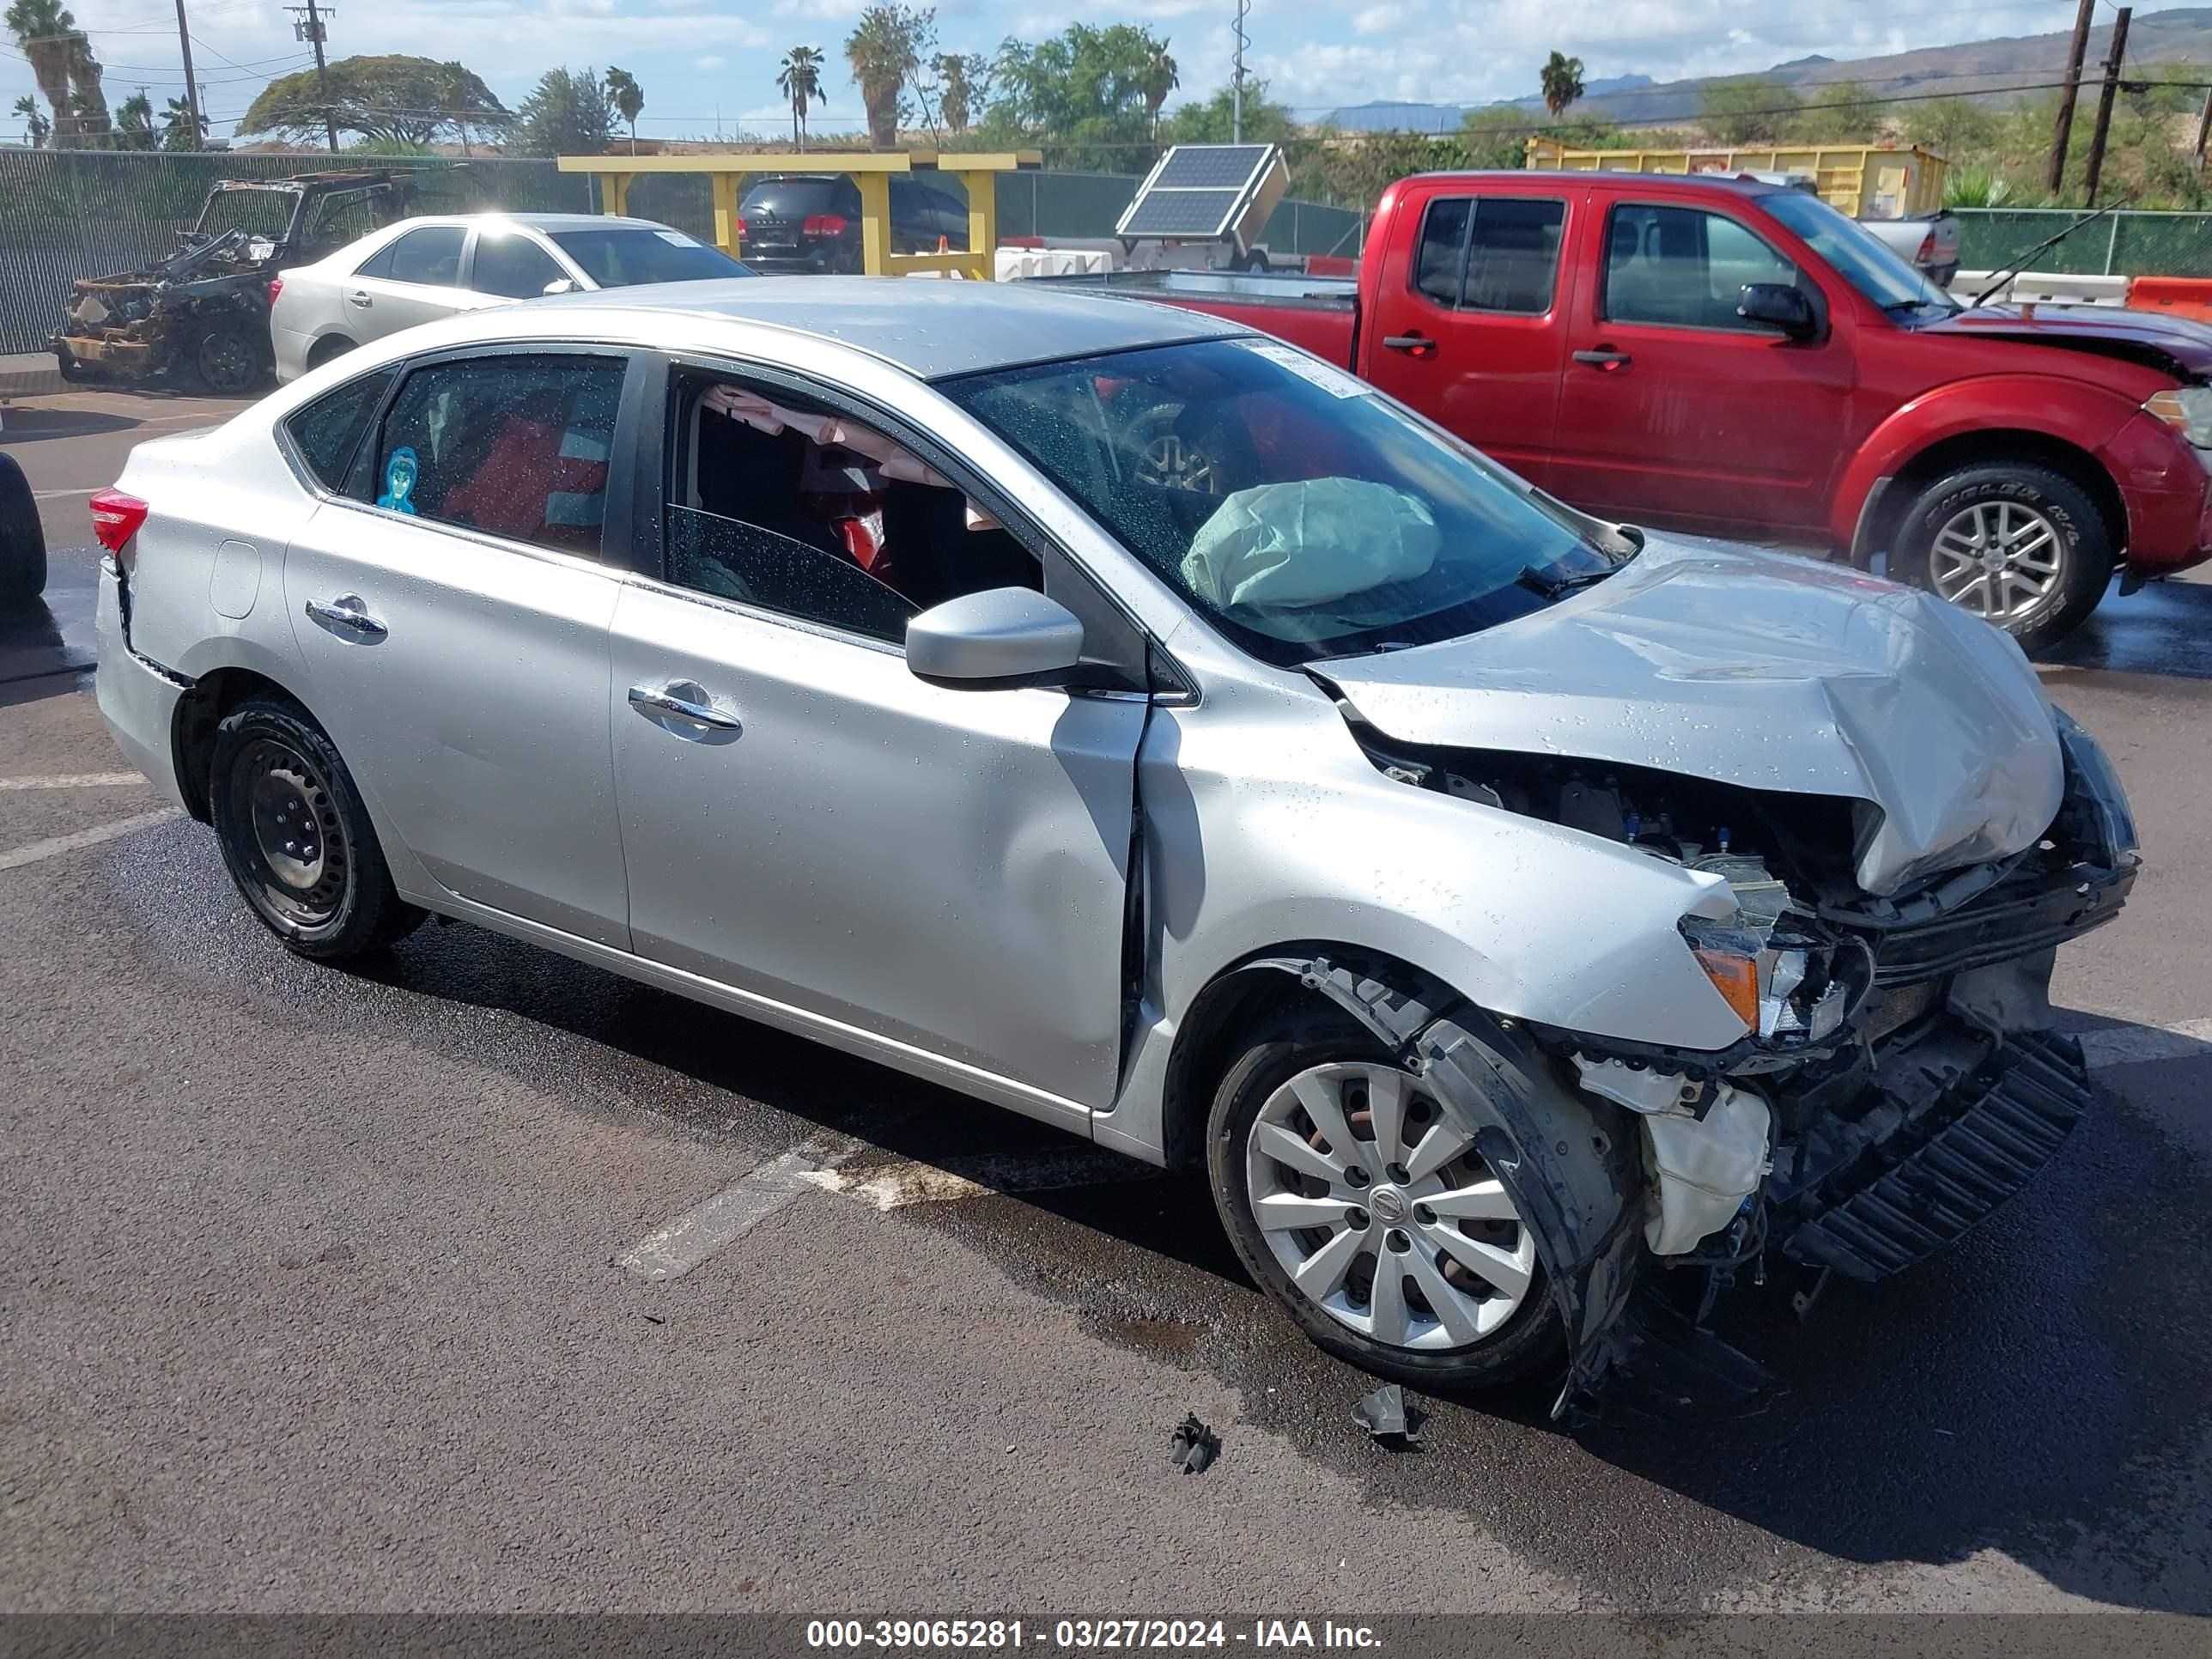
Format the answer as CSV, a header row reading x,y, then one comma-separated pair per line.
x,y
1714,660
2113,330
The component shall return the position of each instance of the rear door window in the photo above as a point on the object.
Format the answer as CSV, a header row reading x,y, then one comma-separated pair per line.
x,y
1491,253
516,445
430,256
1442,253
325,434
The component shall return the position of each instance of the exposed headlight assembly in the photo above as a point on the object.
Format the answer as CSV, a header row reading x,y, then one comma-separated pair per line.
x,y
1789,986
2187,409
2096,809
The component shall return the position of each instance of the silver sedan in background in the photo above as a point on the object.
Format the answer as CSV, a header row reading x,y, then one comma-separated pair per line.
x,y
1525,922
432,266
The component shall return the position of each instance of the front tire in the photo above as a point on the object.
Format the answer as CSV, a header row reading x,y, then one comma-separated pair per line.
x,y
2019,545
296,838
22,541
227,362
1358,1201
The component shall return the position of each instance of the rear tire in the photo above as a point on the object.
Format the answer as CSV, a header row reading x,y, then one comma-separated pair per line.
x,y
1303,1047
296,838
23,540
330,346
2018,545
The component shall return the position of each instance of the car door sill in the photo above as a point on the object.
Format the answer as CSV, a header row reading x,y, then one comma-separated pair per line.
x,y
1027,1100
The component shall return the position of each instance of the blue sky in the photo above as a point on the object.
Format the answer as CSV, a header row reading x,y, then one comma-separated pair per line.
x,y
705,61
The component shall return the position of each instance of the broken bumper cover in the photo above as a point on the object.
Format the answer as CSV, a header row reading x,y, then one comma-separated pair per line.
x,y
113,351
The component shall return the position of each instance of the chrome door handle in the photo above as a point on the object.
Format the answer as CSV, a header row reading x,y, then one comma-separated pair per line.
x,y
663,700
349,613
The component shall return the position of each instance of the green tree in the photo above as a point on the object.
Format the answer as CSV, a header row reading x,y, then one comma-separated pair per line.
x,y
134,122
963,81
1212,120
1953,128
1082,92
64,66
1751,109
408,100
566,114
1496,135
886,50
36,127
801,79
626,99
1562,80
181,129
1161,78
1840,112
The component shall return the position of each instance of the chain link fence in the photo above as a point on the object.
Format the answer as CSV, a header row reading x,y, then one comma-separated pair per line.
x,y
2117,244
67,213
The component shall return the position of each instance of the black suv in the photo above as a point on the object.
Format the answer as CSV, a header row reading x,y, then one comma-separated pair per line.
x,y
808,222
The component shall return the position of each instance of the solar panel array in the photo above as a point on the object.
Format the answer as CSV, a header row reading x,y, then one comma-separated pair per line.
x,y
1197,190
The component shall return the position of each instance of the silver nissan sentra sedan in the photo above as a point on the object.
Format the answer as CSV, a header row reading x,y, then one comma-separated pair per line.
x,y
1501,907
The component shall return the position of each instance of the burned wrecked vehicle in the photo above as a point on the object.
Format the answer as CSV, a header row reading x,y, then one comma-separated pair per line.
x,y
201,316
1527,925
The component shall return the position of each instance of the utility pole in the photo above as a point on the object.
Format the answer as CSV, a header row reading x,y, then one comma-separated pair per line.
x,y
2062,133
2105,97
2204,131
192,87
1236,79
310,26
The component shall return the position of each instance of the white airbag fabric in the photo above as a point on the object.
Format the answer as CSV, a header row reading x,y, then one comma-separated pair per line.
x,y
1309,543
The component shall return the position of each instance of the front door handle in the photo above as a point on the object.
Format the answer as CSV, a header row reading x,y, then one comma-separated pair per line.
x,y
686,700
1415,344
360,297
1605,358
348,614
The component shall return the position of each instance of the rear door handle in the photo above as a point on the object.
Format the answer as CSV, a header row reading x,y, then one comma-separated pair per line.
x,y
1416,345
360,297
1604,357
348,614
686,700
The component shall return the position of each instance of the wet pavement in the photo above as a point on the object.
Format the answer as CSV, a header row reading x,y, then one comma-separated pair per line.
x,y
310,1298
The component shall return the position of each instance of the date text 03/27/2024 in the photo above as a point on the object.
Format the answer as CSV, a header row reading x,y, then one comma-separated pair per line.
x,y
988,1634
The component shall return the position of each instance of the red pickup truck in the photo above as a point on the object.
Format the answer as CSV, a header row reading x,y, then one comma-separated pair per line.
x,y
1740,359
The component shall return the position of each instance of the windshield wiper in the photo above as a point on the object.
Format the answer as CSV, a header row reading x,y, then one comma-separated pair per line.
x,y
1555,588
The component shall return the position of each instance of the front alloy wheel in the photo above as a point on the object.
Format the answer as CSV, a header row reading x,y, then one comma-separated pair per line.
x,y
1998,559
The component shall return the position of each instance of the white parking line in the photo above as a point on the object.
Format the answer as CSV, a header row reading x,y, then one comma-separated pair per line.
x,y
2126,1045
16,858
74,781
675,1250
907,1181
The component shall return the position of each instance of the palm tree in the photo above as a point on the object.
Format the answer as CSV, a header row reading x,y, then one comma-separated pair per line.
x,y
1562,80
134,122
180,130
881,50
955,90
1161,78
626,98
35,124
47,34
801,78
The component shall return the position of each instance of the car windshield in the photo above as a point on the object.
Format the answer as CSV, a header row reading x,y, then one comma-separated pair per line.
x,y
1297,510
266,215
624,256
1867,263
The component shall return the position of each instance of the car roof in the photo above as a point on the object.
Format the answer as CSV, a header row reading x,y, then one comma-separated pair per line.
x,y
931,329
528,220
1554,178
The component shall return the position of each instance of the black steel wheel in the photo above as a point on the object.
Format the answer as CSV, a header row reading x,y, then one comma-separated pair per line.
x,y
226,362
296,838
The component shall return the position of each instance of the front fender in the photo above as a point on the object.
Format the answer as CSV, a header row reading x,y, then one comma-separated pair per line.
x,y
2068,411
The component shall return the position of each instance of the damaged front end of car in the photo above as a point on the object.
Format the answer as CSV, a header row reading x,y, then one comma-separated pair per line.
x,y
1898,1077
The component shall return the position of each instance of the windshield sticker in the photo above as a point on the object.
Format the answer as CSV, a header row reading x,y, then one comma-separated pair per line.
x,y
675,239
1334,381
399,482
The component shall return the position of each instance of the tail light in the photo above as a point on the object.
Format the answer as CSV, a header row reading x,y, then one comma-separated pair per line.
x,y
276,288
824,224
741,230
115,520
1927,248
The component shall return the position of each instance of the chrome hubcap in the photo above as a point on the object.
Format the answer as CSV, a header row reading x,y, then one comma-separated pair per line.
x,y
1997,559
1371,1196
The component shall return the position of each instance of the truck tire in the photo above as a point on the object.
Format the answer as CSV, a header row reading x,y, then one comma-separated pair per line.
x,y
22,542
1266,1149
2017,545
227,360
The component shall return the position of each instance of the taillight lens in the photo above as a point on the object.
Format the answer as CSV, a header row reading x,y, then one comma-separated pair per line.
x,y
824,224
116,518
1927,248
276,288
741,230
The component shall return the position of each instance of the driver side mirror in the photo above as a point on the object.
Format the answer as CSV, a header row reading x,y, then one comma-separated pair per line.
x,y
1779,305
1005,636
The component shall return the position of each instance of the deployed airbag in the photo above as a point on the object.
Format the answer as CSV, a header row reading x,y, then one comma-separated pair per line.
x,y
1309,543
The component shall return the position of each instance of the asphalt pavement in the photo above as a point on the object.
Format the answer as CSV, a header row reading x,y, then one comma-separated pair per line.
x,y
329,1291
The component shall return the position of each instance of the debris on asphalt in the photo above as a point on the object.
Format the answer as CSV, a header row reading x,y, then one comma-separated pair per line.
x,y
652,1319
1388,1421
1194,1446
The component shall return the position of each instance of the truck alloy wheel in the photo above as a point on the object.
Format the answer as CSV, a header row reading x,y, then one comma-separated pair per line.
x,y
1999,559
2019,545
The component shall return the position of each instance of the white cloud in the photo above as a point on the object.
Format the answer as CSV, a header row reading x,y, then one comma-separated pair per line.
x,y
712,60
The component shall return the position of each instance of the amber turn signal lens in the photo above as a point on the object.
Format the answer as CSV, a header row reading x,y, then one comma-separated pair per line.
x,y
1736,978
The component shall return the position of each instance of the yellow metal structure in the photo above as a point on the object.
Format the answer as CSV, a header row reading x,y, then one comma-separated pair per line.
x,y
1867,181
870,170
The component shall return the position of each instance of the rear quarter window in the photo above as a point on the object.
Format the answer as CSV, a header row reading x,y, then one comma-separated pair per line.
x,y
325,436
